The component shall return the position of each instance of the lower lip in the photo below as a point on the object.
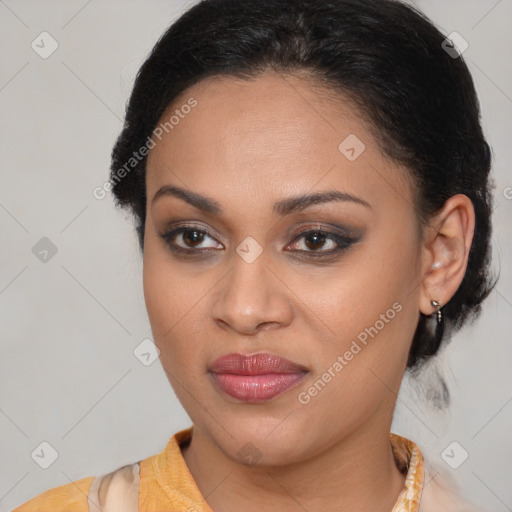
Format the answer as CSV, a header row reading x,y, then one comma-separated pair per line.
x,y
256,388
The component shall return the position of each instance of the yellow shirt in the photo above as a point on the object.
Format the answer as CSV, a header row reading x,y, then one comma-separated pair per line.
x,y
163,483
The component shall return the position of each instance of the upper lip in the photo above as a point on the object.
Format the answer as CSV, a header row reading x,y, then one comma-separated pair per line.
x,y
262,363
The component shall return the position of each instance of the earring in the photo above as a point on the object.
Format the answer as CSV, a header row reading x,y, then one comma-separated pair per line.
x,y
437,305
440,324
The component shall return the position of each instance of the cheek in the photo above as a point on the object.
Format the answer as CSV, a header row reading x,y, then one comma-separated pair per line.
x,y
175,298
164,293
359,368
352,296
158,293
365,312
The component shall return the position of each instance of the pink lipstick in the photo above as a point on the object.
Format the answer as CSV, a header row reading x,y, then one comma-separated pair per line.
x,y
255,378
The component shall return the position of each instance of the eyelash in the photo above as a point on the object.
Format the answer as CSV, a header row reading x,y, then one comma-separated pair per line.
x,y
344,242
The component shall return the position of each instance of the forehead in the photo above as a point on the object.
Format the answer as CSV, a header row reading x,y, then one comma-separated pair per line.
x,y
274,135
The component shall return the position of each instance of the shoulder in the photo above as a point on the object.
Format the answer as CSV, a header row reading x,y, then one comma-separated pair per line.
x,y
428,485
72,496
145,482
441,492
103,493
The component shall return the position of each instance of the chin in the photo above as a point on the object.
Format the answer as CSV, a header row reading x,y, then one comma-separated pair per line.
x,y
267,441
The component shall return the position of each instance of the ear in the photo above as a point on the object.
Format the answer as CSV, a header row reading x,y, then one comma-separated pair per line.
x,y
445,252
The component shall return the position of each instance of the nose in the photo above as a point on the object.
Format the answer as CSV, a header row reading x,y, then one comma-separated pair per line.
x,y
252,298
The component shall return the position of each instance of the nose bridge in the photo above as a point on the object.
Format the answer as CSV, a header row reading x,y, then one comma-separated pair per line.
x,y
248,283
250,295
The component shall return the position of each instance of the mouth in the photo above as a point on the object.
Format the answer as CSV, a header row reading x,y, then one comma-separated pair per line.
x,y
255,378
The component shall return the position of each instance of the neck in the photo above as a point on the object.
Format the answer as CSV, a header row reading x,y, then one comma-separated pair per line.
x,y
358,473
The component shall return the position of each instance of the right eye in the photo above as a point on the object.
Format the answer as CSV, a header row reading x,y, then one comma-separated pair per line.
x,y
192,237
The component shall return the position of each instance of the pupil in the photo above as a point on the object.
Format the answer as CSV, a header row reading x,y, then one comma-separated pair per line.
x,y
193,240
319,240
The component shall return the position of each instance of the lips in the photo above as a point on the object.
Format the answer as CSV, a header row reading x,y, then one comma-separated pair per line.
x,y
255,378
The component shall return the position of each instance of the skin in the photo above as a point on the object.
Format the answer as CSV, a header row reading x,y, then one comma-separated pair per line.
x,y
246,145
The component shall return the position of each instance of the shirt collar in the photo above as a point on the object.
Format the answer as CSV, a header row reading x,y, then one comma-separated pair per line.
x,y
409,460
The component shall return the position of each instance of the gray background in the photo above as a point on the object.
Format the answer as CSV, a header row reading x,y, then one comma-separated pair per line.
x,y
69,325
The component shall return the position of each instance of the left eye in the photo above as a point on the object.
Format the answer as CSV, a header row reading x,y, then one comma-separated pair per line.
x,y
315,240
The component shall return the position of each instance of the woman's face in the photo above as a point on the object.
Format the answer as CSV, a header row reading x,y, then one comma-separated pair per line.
x,y
329,285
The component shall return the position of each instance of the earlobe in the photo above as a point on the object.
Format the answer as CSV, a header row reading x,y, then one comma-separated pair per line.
x,y
446,252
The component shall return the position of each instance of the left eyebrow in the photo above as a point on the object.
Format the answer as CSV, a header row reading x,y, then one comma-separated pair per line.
x,y
299,203
282,207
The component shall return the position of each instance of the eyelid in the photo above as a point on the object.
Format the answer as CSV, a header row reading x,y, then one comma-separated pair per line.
x,y
325,227
199,227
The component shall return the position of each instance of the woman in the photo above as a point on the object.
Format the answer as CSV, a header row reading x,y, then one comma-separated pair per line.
x,y
311,189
